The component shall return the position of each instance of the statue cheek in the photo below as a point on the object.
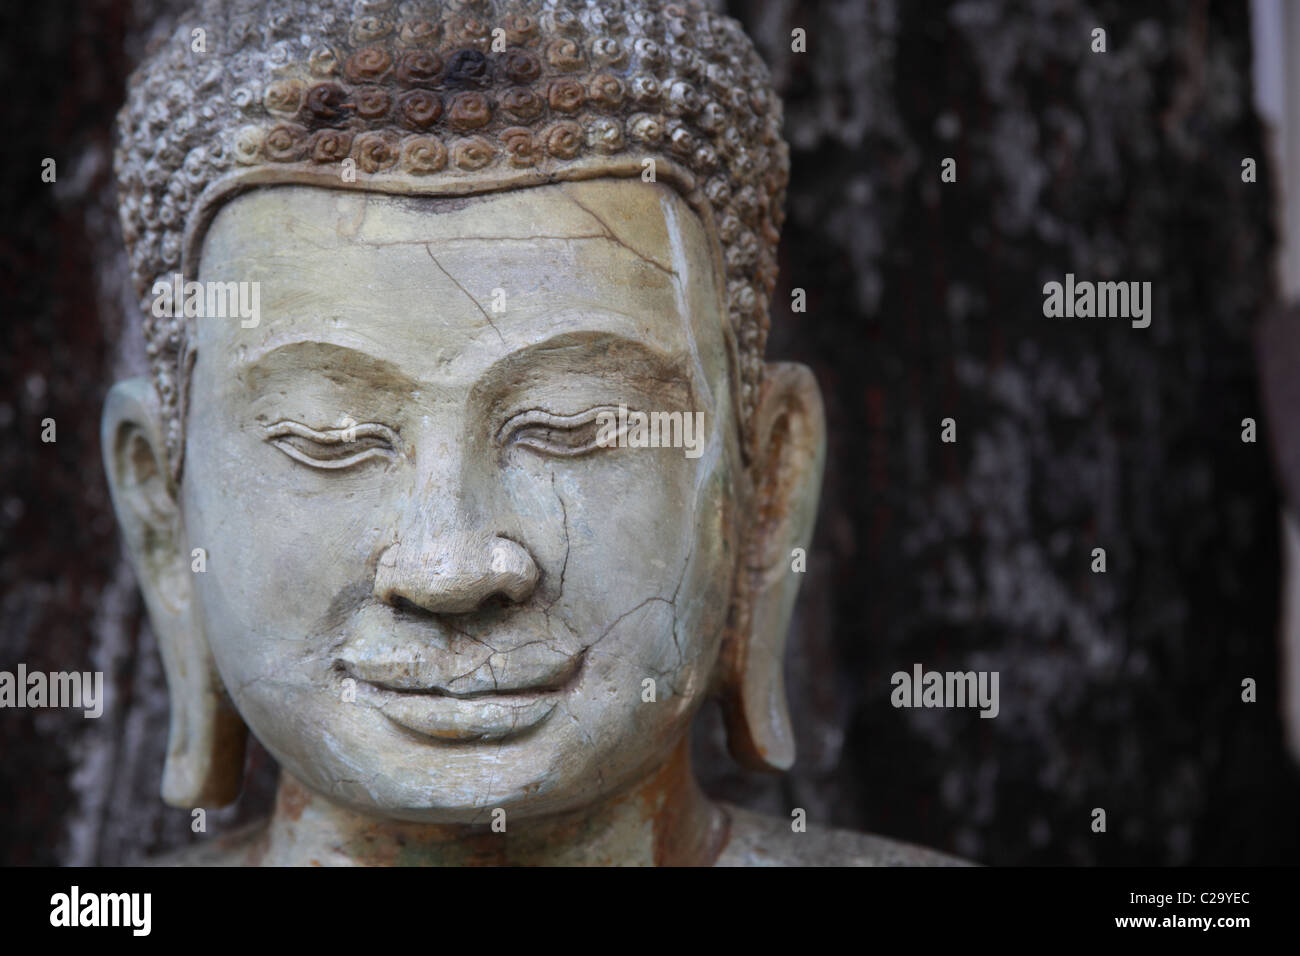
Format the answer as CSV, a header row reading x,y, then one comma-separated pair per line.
x,y
711,568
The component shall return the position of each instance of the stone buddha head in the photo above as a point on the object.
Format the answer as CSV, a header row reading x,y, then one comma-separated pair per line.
x,y
460,479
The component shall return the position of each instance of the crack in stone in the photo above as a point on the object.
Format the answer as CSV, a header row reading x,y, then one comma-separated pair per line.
x,y
475,669
600,774
482,310
564,510
681,578
609,234
477,238
619,619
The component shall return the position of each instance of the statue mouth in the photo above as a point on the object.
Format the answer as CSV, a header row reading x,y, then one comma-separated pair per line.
x,y
482,708
462,720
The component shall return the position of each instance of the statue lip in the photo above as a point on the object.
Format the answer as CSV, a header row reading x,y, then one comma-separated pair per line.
x,y
460,720
481,713
532,690
465,669
541,687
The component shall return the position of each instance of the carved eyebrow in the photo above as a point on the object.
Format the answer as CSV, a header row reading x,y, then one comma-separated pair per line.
x,y
339,363
594,349
631,357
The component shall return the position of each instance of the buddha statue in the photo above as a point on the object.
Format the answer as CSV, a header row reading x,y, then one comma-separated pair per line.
x,y
485,487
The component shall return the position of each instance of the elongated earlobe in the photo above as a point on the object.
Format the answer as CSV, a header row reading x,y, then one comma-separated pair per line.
x,y
205,748
786,475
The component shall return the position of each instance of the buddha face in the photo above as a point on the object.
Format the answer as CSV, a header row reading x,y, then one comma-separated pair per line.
x,y
432,588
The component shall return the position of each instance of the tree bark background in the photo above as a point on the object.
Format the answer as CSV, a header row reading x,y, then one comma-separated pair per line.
x,y
1119,690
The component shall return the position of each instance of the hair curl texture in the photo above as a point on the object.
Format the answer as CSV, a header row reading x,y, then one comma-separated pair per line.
x,y
428,94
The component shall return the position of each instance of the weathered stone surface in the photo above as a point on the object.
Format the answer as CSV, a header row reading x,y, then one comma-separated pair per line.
x,y
1119,692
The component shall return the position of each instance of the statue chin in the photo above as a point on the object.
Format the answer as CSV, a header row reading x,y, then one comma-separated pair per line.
x,y
461,482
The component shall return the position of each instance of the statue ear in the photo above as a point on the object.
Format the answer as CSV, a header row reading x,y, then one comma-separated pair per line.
x,y
785,476
205,748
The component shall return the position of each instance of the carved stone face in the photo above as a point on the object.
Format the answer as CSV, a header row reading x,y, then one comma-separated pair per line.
x,y
397,481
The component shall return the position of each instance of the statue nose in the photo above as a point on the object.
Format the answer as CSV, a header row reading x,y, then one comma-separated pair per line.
x,y
455,573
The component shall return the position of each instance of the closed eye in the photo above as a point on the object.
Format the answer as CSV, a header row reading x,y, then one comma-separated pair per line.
x,y
332,448
565,436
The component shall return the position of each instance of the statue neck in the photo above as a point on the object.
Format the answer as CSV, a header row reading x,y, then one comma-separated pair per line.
x,y
663,820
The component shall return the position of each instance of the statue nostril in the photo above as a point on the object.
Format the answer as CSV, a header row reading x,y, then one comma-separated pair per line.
x,y
456,574
403,605
498,601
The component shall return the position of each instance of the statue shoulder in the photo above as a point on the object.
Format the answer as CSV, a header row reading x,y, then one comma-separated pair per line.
x,y
758,840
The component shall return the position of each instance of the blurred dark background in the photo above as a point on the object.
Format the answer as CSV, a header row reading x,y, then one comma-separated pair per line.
x,y
1119,690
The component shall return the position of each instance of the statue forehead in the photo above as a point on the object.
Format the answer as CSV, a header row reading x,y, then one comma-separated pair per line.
x,y
480,275
648,219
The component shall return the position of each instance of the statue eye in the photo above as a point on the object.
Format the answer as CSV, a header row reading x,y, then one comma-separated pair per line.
x,y
332,448
565,436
